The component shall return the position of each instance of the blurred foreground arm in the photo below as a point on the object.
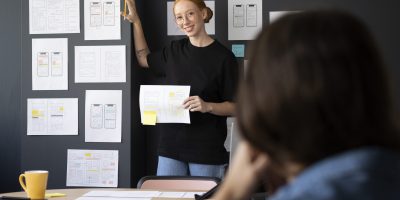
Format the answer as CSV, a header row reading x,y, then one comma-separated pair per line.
x,y
247,170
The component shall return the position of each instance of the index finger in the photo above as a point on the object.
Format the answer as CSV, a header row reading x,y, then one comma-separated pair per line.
x,y
188,99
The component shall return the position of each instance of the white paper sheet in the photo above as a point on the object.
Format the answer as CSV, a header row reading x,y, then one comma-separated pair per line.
x,y
136,195
173,29
110,198
103,115
102,20
50,64
52,116
191,194
119,194
166,101
274,15
92,168
244,19
100,64
54,16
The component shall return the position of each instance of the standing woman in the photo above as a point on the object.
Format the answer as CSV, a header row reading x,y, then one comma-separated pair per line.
x,y
211,70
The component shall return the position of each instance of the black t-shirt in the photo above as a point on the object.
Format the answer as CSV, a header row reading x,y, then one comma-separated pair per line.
x,y
212,73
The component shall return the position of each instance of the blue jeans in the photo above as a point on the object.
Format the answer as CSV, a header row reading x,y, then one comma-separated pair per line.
x,y
172,167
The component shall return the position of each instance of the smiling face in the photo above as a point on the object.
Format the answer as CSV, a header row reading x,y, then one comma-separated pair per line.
x,y
189,18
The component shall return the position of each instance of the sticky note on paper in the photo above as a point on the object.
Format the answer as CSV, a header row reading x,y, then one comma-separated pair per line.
x,y
149,118
238,50
36,113
50,195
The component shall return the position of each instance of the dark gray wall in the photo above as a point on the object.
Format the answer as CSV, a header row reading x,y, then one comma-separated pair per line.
x,y
10,94
50,152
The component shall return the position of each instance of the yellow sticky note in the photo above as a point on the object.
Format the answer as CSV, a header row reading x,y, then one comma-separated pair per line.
x,y
36,113
50,195
149,118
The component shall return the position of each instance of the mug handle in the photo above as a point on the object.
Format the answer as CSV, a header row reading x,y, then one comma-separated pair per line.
x,y
21,181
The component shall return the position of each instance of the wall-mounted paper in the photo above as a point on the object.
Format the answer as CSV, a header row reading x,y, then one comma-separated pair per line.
x,y
92,168
274,15
165,101
50,64
244,19
102,20
103,115
54,16
173,29
100,64
52,116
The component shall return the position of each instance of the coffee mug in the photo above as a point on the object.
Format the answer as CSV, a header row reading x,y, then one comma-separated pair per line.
x,y
34,183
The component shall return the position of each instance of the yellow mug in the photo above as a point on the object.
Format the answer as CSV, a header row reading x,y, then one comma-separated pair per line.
x,y
34,183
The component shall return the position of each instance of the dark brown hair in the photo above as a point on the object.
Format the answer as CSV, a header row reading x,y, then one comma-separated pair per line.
x,y
316,86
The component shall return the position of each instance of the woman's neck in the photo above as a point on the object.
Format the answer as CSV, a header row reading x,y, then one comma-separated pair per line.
x,y
201,41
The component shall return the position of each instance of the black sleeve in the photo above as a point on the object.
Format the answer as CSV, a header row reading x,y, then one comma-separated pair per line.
x,y
228,79
157,61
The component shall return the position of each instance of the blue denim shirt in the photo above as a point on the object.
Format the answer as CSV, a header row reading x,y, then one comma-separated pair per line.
x,y
366,174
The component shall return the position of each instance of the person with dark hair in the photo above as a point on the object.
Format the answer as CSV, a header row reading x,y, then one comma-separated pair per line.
x,y
211,70
316,109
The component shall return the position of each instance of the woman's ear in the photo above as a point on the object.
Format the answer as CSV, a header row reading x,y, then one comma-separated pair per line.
x,y
204,13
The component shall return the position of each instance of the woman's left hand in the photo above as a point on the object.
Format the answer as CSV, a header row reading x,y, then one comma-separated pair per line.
x,y
195,103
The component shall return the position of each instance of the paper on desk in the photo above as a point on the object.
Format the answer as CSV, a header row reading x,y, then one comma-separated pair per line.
x,y
179,194
136,195
191,194
111,198
92,168
163,104
120,194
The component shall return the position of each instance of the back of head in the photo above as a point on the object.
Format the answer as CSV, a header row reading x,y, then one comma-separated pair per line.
x,y
201,5
316,86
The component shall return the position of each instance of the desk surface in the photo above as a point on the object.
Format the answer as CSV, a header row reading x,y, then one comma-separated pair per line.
x,y
78,192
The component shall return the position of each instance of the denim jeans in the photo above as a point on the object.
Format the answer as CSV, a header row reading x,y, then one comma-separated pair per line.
x,y
172,167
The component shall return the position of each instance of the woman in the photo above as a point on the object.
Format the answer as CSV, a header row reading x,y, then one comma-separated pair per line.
x,y
315,109
211,70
